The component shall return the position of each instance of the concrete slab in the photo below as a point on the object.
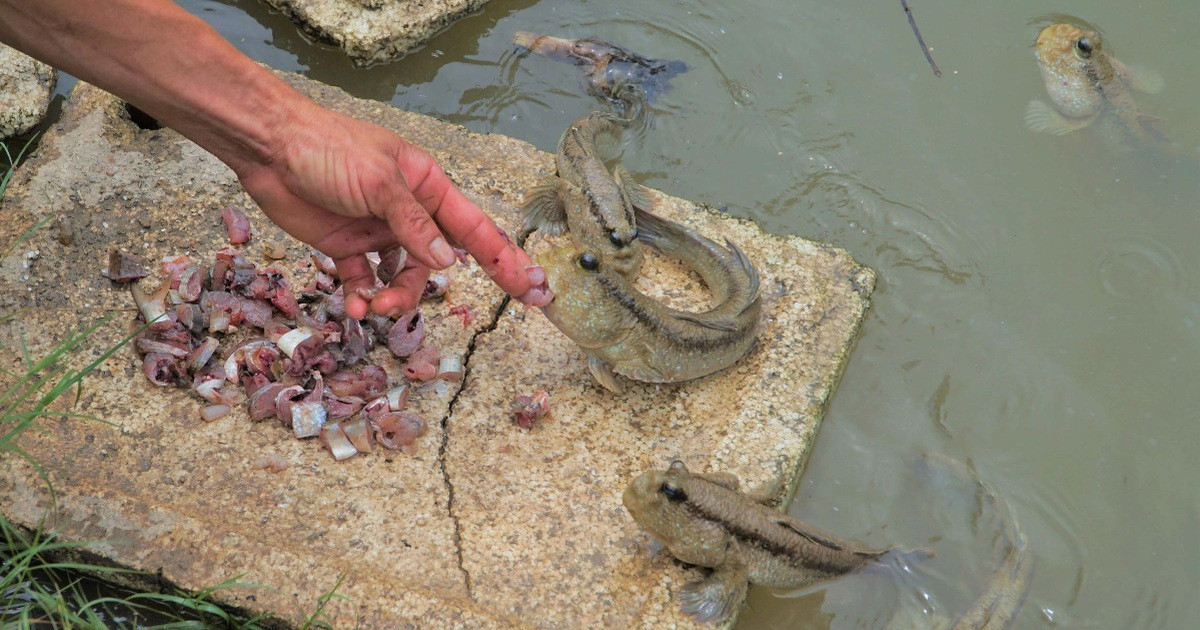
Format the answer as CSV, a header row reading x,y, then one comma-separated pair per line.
x,y
371,31
26,87
488,524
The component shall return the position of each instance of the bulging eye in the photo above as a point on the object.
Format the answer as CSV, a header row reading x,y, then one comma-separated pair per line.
x,y
1084,46
588,262
673,492
616,239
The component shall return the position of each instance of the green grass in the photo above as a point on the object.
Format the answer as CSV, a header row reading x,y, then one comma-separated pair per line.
x,y
38,587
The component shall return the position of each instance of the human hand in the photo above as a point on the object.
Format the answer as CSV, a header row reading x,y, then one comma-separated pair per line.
x,y
348,187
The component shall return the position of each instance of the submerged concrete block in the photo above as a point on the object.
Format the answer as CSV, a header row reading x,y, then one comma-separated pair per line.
x,y
371,31
26,87
488,524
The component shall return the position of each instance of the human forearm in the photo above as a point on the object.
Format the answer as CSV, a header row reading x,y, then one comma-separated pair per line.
x,y
344,186
168,63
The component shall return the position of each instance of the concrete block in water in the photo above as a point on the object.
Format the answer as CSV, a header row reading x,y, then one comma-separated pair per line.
x,y
487,524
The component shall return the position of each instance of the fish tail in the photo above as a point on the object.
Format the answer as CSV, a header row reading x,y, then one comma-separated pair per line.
x,y
746,266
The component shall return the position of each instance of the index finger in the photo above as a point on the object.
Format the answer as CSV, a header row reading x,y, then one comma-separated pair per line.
x,y
464,222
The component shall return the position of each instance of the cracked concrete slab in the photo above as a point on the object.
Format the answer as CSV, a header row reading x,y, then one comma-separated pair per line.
x,y
371,31
488,524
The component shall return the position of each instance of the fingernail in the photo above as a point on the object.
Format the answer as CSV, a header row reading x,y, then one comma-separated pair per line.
x,y
537,275
537,296
441,252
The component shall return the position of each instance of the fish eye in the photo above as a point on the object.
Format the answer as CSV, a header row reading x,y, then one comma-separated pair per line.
x,y
616,239
588,262
1084,46
673,492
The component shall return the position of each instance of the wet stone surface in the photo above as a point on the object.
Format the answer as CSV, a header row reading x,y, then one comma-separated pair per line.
x,y
371,31
488,524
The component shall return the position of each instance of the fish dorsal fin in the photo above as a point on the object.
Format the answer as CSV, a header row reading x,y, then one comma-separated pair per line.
x,y
807,532
721,324
652,229
747,266
544,209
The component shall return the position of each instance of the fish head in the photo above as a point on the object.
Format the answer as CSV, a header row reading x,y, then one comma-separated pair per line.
x,y
660,502
655,499
585,306
1074,68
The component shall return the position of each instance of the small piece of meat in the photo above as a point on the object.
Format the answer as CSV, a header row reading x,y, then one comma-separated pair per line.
x,y
191,283
236,224
436,286
463,311
323,262
213,412
397,429
528,409
164,370
273,463
422,365
390,263
407,334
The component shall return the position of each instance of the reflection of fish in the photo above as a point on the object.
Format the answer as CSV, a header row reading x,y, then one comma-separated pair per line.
x,y
596,206
997,606
624,331
1086,84
610,69
705,520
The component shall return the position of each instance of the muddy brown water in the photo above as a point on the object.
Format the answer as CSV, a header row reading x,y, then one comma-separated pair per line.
x,y
1038,306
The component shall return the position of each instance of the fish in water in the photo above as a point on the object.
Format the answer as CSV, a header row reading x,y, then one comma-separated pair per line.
x,y
1086,84
610,70
703,519
625,331
996,607
596,206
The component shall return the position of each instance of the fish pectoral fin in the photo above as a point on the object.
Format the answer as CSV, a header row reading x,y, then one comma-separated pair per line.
x,y
1141,78
723,479
603,373
635,194
1043,118
715,597
544,208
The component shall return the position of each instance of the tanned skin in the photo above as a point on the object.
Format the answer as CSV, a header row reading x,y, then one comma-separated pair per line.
x,y
344,186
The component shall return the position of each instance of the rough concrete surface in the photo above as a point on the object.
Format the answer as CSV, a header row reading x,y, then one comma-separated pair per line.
x,y
375,30
26,86
488,524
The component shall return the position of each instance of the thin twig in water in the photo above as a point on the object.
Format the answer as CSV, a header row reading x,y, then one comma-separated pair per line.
x,y
920,40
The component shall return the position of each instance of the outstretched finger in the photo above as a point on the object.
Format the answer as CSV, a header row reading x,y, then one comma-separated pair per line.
x,y
468,226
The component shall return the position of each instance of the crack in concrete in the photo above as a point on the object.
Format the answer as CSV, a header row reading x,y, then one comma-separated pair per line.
x,y
466,360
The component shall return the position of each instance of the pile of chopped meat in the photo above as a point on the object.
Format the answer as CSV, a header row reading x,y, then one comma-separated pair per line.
x,y
304,361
